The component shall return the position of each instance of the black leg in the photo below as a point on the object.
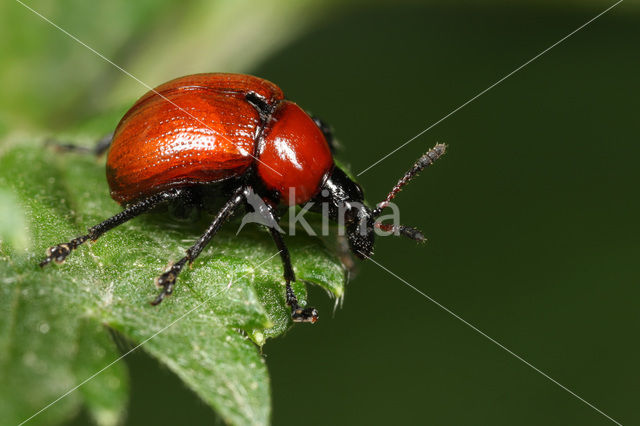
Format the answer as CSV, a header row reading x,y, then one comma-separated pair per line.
x,y
102,145
326,131
60,252
167,280
298,314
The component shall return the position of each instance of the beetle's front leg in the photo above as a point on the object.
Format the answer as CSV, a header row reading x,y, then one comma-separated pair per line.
x,y
298,314
263,213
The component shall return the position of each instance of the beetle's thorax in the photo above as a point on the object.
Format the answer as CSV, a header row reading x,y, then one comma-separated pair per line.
x,y
293,156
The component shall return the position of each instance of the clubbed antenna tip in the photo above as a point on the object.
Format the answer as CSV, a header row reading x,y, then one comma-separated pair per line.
x,y
407,231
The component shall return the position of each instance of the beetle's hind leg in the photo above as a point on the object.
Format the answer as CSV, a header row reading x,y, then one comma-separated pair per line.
x,y
101,146
59,253
167,280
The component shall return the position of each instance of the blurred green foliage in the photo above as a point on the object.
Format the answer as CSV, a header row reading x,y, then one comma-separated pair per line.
x,y
54,80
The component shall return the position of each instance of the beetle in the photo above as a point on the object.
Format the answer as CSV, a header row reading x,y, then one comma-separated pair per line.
x,y
228,136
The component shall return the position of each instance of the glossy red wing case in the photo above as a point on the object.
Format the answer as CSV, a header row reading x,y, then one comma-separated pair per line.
x,y
198,129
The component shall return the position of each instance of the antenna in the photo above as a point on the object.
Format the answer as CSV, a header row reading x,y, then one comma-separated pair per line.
x,y
426,160
407,231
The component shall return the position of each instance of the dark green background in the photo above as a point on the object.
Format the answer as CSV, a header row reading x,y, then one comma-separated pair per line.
x,y
532,220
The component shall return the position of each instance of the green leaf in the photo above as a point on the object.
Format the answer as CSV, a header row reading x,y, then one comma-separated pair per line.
x,y
13,229
55,80
105,394
52,335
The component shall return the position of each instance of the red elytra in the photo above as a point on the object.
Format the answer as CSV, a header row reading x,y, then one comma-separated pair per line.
x,y
191,136
201,129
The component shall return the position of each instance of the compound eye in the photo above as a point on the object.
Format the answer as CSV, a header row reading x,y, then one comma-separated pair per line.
x,y
350,215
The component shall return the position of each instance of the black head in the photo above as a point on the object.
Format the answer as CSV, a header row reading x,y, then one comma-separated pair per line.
x,y
346,206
